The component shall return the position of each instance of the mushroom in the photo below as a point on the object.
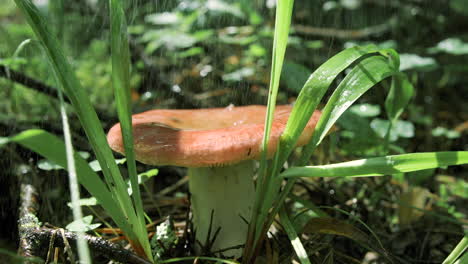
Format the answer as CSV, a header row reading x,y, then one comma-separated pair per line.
x,y
219,147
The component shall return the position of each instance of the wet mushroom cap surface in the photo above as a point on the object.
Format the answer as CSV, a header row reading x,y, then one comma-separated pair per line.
x,y
205,137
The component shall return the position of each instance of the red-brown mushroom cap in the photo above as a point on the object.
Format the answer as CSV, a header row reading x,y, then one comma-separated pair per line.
x,y
205,137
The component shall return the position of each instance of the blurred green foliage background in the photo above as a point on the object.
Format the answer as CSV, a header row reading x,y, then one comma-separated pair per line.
x,y
212,53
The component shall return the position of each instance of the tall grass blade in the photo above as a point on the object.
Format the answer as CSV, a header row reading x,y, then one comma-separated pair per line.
x,y
121,84
295,241
461,247
83,108
382,165
280,41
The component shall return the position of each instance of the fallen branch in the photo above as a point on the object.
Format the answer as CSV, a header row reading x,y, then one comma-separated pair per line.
x,y
34,239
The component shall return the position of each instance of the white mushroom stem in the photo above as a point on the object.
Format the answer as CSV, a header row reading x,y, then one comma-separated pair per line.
x,y
229,193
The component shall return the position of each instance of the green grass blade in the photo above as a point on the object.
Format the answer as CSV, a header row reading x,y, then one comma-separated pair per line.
x,y
280,41
362,77
295,241
382,165
121,84
400,94
52,148
83,108
461,247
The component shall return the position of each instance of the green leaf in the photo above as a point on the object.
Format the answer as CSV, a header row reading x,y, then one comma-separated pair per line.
x,y
97,167
362,77
448,133
381,166
83,225
4,141
454,46
48,165
416,62
294,75
239,75
401,92
365,110
142,178
166,18
312,92
223,8
400,128
91,201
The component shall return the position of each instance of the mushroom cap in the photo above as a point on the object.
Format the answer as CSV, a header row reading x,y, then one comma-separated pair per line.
x,y
205,137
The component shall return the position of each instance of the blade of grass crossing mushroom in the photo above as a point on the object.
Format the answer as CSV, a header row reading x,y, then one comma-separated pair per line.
x,y
121,84
295,240
382,165
308,99
83,108
52,148
360,75
280,41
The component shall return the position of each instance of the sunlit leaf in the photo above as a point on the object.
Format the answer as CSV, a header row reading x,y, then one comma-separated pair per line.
x,y
142,178
416,62
97,167
91,201
454,46
365,110
166,18
448,133
223,7
83,225
48,165
400,128
239,75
